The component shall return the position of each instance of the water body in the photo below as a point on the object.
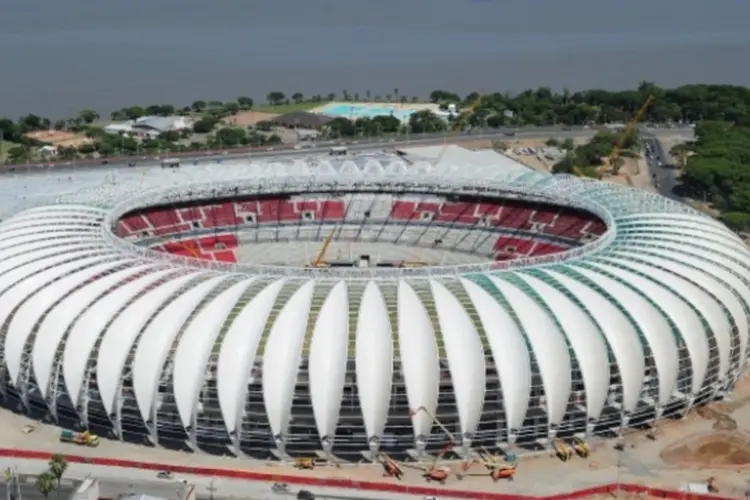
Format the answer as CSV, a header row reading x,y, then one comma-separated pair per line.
x,y
58,57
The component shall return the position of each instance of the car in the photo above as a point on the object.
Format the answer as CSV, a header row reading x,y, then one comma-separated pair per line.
x,y
280,487
165,474
305,495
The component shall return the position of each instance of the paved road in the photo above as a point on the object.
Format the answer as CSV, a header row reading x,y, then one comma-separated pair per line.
x,y
321,148
663,174
128,481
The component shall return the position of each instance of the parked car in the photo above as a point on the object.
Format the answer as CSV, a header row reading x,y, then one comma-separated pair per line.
x,y
165,475
280,487
305,495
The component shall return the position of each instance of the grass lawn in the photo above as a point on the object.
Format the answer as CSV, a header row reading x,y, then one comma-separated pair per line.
x,y
4,147
288,108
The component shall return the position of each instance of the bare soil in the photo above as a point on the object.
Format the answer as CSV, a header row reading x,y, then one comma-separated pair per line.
x,y
246,118
716,449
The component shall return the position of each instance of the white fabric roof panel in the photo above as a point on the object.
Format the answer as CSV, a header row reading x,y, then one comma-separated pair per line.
x,y
194,348
89,327
374,359
123,332
157,338
665,286
282,357
419,359
463,349
327,358
238,351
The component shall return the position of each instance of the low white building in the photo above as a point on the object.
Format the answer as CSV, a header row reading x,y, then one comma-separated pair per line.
x,y
150,126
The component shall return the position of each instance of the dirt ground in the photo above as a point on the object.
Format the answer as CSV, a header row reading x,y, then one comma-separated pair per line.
x,y
246,118
59,138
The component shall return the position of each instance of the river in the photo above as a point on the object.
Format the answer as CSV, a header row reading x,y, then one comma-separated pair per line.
x,y
58,57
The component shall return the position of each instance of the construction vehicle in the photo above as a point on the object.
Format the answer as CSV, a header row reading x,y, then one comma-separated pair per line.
x,y
85,438
305,463
498,470
581,447
508,456
320,260
711,485
562,450
390,467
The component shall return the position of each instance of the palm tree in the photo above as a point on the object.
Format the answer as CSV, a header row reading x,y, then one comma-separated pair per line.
x,y
57,467
45,483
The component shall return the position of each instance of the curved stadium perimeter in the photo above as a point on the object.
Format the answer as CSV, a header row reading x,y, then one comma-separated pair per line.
x,y
512,306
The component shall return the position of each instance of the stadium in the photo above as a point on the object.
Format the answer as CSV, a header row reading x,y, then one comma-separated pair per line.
x,y
350,306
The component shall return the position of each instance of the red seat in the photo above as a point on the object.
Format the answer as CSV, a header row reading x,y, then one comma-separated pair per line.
x,y
332,210
192,214
225,256
220,215
136,223
403,210
164,217
178,228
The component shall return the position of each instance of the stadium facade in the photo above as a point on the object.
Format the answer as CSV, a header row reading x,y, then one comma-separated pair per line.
x,y
585,308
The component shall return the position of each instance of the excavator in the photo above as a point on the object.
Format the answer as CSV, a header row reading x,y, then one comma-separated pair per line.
x,y
497,469
581,448
320,260
562,450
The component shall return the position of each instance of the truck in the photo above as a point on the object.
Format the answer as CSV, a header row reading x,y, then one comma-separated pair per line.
x,y
80,438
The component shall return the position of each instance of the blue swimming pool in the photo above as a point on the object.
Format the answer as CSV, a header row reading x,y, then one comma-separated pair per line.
x,y
360,111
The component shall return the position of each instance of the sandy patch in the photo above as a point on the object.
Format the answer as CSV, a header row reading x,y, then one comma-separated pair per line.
x,y
246,118
59,138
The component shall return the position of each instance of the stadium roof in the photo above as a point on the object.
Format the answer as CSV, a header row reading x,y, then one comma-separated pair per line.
x,y
456,155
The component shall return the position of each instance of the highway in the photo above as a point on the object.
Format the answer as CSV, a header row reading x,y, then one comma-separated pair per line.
x,y
661,169
356,146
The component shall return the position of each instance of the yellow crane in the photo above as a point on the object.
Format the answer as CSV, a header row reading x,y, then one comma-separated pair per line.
x,y
320,260
615,154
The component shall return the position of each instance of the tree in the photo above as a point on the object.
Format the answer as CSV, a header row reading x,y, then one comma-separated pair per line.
x,y
88,115
426,122
204,125
57,467
19,154
198,106
552,142
275,98
245,102
298,97
45,483
568,144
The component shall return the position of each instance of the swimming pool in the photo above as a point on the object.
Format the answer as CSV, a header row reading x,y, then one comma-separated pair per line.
x,y
365,111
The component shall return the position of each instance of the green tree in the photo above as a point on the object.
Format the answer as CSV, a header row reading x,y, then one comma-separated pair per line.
x,y
568,144
19,154
552,142
58,465
275,98
298,97
45,483
204,125
88,115
198,106
426,122
245,102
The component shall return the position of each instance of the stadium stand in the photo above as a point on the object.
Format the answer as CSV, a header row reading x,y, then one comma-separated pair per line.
x,y
526,229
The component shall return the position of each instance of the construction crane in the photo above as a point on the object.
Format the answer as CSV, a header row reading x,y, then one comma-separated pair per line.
x,y
435,473
320,259
615,154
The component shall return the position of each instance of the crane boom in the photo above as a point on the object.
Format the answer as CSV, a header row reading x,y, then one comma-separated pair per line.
x,y
320,259
624,137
